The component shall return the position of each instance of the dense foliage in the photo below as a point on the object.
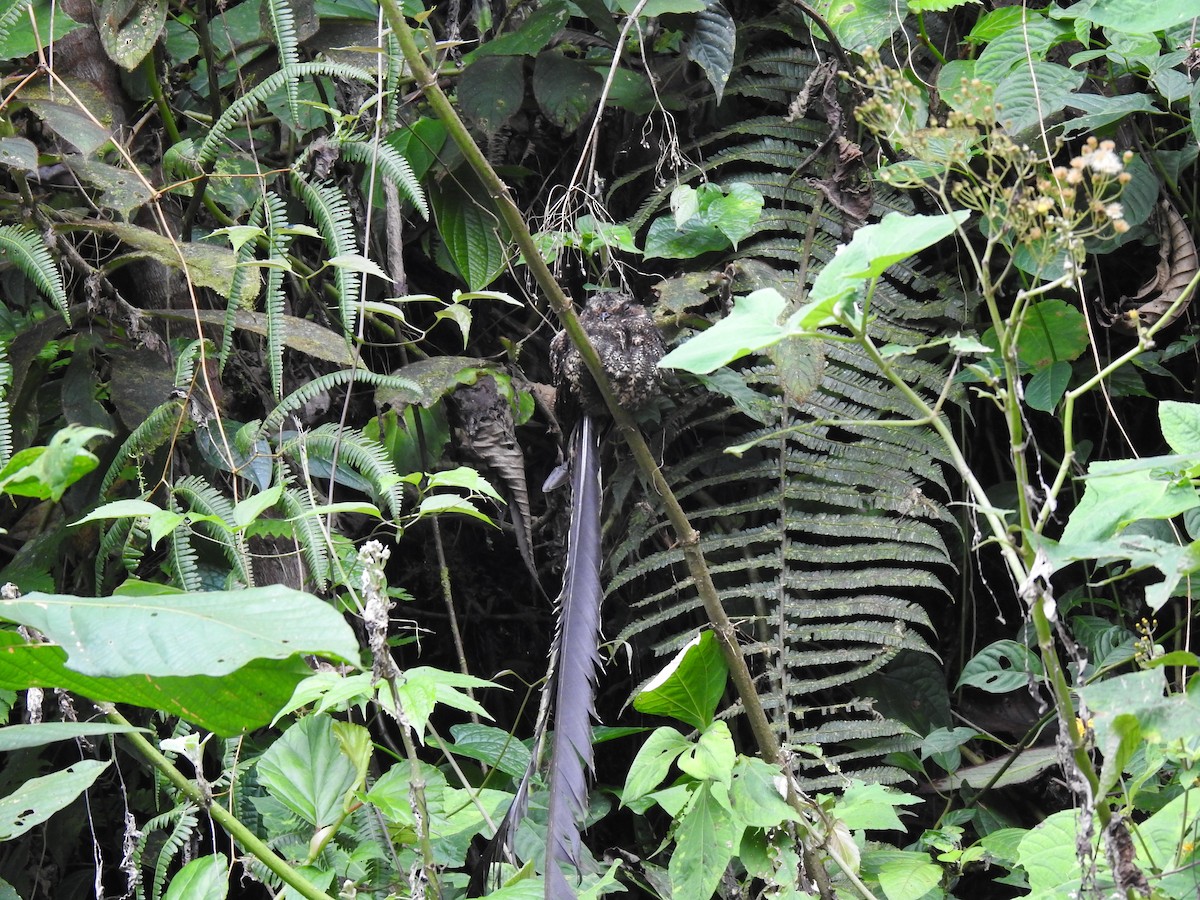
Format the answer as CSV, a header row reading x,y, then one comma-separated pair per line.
x,y
897,569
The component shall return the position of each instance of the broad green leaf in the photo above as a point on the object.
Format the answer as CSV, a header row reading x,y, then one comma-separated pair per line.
x,y
250,508
229,705
308,337
875,247
690,686
712,757
307,771
695,238
861,24
1112,498
463,477
1001,667
712,43
758,792
1136,16
1046,388
652,763
18,153
1175,561
655,8
871,807
1051,330
422,687
1048,855
120,189
534,33
211,633
491,90
566,89
472,234
128,30
1180,424
1002,772
735,212
206,878
24,37
206,265
421,141
490,745
1032,93
903,874
18,737
705,840
997,22
751,325
39,798
1019,44
47,472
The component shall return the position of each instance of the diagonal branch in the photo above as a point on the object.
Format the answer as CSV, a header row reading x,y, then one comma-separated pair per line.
x,y
687,536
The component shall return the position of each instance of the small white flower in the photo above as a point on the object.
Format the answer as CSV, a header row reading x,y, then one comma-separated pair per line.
x,y
1104,161
1115,211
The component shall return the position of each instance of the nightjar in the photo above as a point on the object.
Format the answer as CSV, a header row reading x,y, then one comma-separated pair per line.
x,y
629,345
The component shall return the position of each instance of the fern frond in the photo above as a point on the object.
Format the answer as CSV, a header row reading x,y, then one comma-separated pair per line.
x,y
278,241
6,374
201,497
165,423
317,386
28,252
241,271
283,25
352,448
250,101
391,164
296,503
9,17
330,209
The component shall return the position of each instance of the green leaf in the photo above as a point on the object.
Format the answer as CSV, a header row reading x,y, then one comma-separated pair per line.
x,y
566,89
534,33
871,807
655,8
652,763
757,794
705,840
712,757
1180,424
210,633
46,472
38,799
206,878
1001,667
1051,330
712,43
1114,496
751,325
129,29
491,745
861,24
307,771
206,265
1135,16
491,90
903,874
690,686
19,737
1032,93
1046,388
1048,856
875,247
471,232
229,705
1023,41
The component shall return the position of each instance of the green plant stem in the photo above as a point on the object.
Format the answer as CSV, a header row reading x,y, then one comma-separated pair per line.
x,y
687,536
925,39
223,817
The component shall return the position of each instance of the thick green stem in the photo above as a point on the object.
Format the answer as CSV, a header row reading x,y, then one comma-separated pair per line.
x,y
223,817
687,537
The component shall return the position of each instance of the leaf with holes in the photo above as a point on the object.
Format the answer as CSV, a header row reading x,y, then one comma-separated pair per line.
x,y
129,29
1001,667
38,799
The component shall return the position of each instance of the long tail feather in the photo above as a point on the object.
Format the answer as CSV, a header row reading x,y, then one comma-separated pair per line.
x,y
577,658
569,693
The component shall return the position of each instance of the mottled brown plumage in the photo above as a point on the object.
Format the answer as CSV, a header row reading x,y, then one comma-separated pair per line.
x,y
629,345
